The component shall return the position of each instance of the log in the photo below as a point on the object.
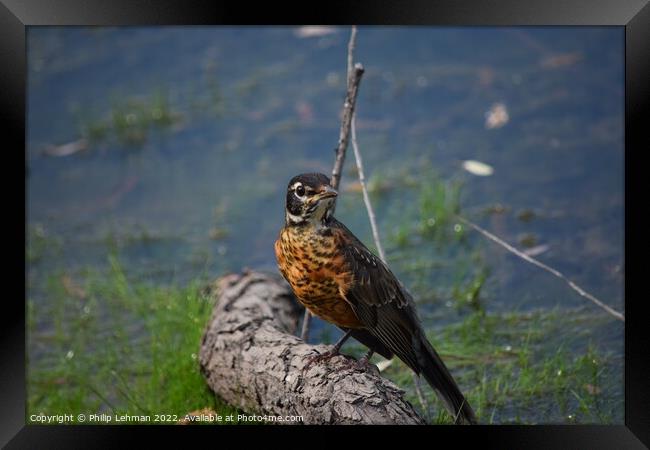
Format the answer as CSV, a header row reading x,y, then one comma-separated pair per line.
x,y
250,358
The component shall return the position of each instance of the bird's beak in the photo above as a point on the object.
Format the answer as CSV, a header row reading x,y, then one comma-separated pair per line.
x,y
327,192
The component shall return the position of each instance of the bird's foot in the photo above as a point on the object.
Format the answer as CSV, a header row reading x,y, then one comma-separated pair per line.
x,y
320,357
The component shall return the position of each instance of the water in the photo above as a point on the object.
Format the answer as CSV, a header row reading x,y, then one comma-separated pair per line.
x,y
202,193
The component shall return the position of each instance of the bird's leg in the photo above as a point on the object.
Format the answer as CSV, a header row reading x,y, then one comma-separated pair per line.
x,y
340,342
330,353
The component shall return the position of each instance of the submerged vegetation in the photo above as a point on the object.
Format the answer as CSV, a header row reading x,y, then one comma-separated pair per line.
x,y
131,120
39,243
439,201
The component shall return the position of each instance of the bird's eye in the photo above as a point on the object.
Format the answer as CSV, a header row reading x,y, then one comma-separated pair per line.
x,y
300,190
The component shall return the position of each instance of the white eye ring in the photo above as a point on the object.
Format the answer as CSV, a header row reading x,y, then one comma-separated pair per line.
x,y
297,187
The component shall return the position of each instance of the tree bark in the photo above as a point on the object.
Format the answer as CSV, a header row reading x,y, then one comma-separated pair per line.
x,y
251,359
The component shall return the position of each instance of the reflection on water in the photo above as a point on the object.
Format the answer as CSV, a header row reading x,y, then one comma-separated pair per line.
x,y
173,147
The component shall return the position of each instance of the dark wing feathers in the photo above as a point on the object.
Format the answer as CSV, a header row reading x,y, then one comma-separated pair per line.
x,y
368,270
369,340
380,302
388,312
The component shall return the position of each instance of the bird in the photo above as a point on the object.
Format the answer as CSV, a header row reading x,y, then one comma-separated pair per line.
x,y
337,278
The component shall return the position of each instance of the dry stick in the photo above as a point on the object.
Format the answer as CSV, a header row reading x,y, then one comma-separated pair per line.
x,y
532,260
354,78
354,74
423,402
366,198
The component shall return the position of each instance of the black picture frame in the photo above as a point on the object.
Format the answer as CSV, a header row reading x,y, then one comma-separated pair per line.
x,y
633,15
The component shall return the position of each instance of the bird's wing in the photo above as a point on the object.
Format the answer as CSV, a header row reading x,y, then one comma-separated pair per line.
x,y
388,312
379,301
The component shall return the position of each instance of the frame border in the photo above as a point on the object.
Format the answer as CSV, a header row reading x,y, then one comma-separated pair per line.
x,y
633,15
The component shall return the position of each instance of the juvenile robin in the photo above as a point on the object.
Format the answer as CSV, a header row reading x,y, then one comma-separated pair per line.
x,y
339,280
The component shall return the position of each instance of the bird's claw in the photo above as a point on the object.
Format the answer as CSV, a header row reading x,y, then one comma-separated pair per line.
x,y
318,358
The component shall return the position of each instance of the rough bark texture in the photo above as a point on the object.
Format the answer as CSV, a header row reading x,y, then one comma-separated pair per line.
x,y
250,358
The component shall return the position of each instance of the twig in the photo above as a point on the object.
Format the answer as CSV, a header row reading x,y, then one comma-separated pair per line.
x,y
366,198
354,74
306,322
541,265
423,402
354,78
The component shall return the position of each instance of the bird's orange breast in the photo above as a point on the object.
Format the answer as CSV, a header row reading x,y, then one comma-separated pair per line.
x,y
317,273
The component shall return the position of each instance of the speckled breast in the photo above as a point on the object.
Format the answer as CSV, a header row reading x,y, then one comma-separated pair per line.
x,y
317,273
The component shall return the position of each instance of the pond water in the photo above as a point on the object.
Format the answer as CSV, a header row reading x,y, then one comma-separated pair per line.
x,y
173,147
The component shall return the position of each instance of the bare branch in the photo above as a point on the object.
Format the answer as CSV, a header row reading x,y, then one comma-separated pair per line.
x,y
353,79
306,323
366,198
541,265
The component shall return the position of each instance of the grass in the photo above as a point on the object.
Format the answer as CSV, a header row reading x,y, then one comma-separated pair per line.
x,y
468,281
512,370
118,347
428,247
439,202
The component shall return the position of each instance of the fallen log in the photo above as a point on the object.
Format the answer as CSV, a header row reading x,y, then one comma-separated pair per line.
x,y
252,360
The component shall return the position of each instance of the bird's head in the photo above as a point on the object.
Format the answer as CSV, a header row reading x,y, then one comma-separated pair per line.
x,y
310,199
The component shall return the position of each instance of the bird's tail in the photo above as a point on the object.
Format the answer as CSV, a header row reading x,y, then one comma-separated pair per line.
x,y
438,376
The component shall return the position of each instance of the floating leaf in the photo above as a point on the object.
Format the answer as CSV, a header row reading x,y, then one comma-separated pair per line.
x,y
497,116
314,31
478,168
66,149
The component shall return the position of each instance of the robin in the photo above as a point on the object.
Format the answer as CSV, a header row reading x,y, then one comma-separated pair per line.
x,y
339,280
